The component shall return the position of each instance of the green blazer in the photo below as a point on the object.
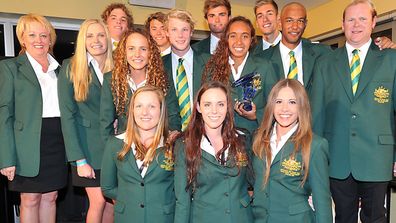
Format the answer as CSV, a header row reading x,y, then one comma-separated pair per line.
x,y
199,62
143,200
80,120
258,48
360,129
310,51
283,199
221,193
108,111
202,46
21,108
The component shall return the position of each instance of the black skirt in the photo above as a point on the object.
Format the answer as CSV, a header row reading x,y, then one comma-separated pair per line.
x,y
85,182
52,174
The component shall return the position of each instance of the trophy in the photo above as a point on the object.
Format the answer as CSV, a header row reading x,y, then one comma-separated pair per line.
x,y
250,84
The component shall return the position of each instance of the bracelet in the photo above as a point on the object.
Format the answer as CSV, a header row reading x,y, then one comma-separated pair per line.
x,y
81,162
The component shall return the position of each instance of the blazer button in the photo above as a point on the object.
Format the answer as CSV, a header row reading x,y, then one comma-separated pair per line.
x,y
353,134
142,205
142,184
228,211
354,116
226,194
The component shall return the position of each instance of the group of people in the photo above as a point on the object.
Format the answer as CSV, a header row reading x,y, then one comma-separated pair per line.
x,y
158,130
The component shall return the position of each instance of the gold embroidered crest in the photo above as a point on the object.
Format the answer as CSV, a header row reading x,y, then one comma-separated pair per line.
x,y
168,162
241,159
256,82
291,167
381,95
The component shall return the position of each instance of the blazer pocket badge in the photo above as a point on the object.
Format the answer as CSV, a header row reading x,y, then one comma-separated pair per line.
x,y
168,163
381,95
291,167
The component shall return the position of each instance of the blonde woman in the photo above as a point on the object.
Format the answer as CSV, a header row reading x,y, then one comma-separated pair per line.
x,y
80,83
137,169
137,62
290,162
32,152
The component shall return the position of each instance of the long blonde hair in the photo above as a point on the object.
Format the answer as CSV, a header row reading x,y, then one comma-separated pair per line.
x,y
79,71
132,134
303,136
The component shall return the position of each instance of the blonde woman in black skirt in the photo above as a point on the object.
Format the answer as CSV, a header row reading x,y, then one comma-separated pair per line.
x,y
32,154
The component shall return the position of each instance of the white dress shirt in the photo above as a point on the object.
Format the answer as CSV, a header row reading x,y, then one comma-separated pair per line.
x,y
91,60
267,45
238,72
133,86
276,147
188,67
166,51
362,52
207,147
213,43
48,84
284,51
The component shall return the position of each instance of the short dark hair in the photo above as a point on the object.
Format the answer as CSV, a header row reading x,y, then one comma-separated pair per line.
x,y
160,16
210,4
260,3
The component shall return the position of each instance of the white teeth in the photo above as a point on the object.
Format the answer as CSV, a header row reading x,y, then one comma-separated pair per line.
x,y
39,47
267,25
97,46
284,116
238,49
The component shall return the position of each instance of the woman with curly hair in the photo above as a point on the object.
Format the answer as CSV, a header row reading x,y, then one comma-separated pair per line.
x,y
232,61
137,62
138,166
211,169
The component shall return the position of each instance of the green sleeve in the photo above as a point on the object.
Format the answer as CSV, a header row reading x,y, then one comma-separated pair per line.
x,y
108,172
107,109
172,106
317,100
68,108
183,197
7,149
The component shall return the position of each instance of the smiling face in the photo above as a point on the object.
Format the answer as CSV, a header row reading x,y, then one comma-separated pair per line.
x,y
137,51
179,33
147,111
117,23
285,110
95,40
157,31
239,40
358,24
213,108
217,20
293,23
36,39
267,19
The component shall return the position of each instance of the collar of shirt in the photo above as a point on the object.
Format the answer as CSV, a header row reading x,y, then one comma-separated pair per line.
x,y
267,45
95,65
276,147
362,52
166,51
284,51
53,64
213,43
207,147
112,43
135,86
188,67
237,73
139,163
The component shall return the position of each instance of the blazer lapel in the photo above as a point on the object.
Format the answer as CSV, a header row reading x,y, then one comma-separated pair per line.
x,y
198,63
343,72
276,59
95,79
308,61
286,150
27,69
369,67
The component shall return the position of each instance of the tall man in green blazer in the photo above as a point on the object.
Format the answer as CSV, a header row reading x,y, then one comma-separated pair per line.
x,y
293,22
217,14
353,105
180,27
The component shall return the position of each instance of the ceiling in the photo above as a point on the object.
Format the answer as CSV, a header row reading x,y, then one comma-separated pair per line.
x,y
309,4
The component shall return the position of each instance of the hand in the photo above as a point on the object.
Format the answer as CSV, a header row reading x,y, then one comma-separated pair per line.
x,y
86,171
251,115
9,172
384,43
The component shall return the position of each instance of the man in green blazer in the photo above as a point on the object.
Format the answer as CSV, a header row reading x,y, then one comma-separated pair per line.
x,y
353,107
217,14
293,23
180,27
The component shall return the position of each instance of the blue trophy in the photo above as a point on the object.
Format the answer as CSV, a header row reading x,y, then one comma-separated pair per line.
x,y
250,84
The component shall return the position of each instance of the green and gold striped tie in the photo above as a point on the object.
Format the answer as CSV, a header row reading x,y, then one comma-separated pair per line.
x,y
183,94
293,67
355,70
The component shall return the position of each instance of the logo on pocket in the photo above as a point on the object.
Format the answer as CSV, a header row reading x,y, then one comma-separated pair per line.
x,y
291,167
381,95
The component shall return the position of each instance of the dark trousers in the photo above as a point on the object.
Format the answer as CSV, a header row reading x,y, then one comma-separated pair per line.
x,y
346,194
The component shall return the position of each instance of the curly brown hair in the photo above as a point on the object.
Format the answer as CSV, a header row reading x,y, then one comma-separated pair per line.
x,y
106,13
156,75
218,67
